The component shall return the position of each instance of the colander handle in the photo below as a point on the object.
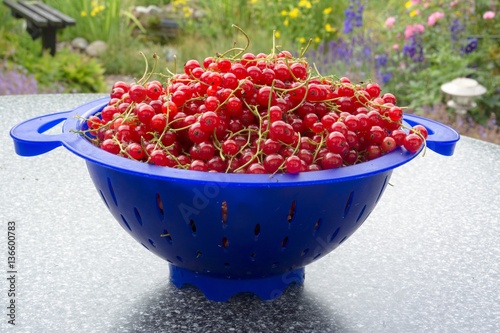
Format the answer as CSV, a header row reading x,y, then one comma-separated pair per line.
x,y
29,138
442,139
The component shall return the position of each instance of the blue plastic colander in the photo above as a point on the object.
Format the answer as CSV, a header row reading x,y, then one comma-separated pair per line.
x,y
229,233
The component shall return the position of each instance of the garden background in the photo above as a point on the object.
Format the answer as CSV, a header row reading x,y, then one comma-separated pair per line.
x,y
410,48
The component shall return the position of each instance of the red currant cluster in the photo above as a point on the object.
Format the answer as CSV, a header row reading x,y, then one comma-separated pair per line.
x,y
264,113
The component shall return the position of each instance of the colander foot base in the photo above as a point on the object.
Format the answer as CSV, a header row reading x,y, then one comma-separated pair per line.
x,y
222,289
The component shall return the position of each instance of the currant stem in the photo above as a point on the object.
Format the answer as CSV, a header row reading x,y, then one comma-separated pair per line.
x,y
246,37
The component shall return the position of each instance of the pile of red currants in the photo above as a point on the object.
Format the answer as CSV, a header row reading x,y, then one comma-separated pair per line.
x,y
265,113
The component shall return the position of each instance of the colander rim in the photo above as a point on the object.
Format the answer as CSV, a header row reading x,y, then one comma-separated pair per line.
x,y
83,148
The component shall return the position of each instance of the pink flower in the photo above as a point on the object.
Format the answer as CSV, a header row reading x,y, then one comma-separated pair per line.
x,y
412,29
408,31
454,3
415,2
489,15
434,17
389,23
395,47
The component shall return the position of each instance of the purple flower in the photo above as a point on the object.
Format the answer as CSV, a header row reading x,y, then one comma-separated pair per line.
x,y
16,81
350,15
470,46
353,16
456,29
380,60
359,14
414,49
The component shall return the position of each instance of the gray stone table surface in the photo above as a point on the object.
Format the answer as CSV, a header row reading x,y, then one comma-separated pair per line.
x,y
426,260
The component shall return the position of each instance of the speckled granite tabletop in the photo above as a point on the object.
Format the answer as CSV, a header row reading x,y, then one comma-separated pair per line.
x,y
426,260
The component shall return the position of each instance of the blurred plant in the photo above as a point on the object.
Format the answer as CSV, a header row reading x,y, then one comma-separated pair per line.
x,y
351,54
107,20
67,72
16,81
441,40
24,62
295,21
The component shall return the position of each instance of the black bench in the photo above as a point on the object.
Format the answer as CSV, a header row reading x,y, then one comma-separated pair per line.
x,y
42,21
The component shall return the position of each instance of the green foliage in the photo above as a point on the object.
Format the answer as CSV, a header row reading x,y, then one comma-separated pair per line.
x,y
125,59
107,20
71,72
295,22
65,72
146,3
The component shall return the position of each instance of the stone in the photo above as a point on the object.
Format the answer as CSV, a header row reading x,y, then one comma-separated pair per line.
x,y
96,48
79,43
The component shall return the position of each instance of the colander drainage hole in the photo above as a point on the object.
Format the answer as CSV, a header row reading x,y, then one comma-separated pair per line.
x,y
151,242
179,258
126,223
304,252
112,192
332,239
291,213
198,254
167,235
252,256
103,198
159,204
138,216
348,204
226,265
192,225
256,230
225,242
223,210
284,242
361,214
317,256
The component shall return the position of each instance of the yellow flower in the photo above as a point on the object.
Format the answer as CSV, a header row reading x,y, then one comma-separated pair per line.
x,y
458,13
302,40
284,13
327,10
305,3
408,4
286,23
294,13
277,34
187,11
83,13
329,28
317,39
253,1
414,13
93,3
